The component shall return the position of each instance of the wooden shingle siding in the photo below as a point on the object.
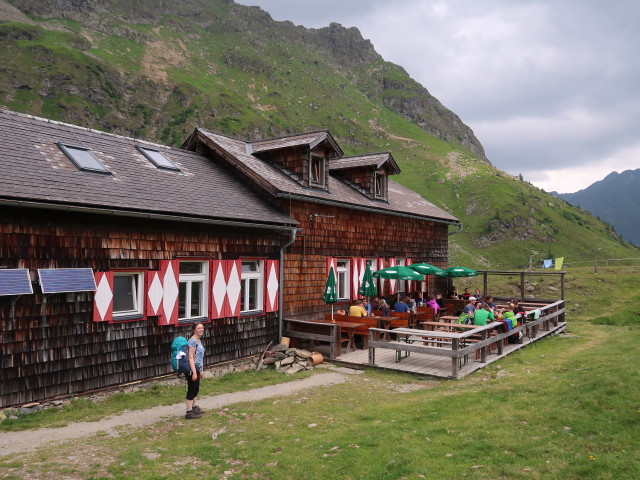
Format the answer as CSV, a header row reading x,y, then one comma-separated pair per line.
x,y
339,232
64,351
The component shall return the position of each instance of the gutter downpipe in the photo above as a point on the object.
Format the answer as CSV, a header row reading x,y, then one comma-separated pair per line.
x,y
294,232
456,231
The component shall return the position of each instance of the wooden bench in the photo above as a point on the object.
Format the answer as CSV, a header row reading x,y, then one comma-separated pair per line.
x,y
299,330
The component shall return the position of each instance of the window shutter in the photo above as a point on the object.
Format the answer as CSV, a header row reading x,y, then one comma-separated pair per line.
x,y
380,266
271,285
410,283
153,297
103,298
233,274
392,283
354,273
218,308
331,262
169,275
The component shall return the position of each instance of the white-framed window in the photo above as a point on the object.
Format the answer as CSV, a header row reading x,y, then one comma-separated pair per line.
x,y
342,279
380,186
128,295
192,298
316,171
251,290
402,284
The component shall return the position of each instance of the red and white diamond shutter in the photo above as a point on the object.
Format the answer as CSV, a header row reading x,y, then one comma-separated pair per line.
x,y
331,262
170,278
233,273
271,285
103,298
410,284
392,283
354,273
153,299
218,306
379,265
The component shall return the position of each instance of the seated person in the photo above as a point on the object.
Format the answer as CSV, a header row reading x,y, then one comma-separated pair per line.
x,y
482,315
453,293
420,300
411,303
517,309
470,307
478,293
383,306
400,307
367,306
341,312
433,304
466,295
439,300
490,302
357,309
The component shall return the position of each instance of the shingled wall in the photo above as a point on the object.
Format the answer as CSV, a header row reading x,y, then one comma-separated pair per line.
x,y
57,349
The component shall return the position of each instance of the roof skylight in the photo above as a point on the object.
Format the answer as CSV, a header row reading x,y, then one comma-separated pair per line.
x,y
83,158
157,158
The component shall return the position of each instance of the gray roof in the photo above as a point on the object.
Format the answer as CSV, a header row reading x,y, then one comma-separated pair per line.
x,y
34,169
400,199
370,160
310,139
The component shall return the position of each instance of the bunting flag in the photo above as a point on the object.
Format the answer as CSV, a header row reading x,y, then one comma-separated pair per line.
x,y
559,261
547,263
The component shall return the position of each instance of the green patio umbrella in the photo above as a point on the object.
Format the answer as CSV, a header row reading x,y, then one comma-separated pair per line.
x,y
330,295
460,272
368,287
426,269
398,273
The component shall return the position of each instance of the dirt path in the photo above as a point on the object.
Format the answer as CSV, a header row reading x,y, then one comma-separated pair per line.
x,y
18,442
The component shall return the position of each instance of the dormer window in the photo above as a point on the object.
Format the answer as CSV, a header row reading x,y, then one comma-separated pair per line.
x,y
380,186
83,158
316,171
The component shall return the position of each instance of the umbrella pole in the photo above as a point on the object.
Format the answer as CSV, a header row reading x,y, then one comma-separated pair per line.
x,y
332,312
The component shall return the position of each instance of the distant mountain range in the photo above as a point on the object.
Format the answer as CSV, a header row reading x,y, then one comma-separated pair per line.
x,y
615,200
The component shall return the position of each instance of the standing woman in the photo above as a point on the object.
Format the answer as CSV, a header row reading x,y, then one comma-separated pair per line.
x,y
196,363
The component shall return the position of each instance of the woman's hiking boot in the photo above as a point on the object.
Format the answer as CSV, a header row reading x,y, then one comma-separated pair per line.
x,y
192,415
198,410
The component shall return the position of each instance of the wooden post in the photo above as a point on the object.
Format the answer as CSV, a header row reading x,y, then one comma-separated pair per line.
x,y
455,343
483,350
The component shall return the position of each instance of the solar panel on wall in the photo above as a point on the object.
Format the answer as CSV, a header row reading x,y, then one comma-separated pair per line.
x,y
15,281
62,280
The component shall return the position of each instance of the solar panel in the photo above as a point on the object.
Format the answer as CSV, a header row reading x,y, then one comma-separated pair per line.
x,y
15,281
62,280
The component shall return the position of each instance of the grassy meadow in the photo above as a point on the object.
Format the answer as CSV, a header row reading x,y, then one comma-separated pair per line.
x,y
564,408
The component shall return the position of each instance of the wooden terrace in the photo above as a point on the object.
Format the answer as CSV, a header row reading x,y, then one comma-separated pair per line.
x,y
451,350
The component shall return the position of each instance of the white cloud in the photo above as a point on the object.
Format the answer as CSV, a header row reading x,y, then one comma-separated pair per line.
x,y
550,88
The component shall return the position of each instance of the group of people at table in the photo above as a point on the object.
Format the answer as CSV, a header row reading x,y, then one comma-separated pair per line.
x,y
478,309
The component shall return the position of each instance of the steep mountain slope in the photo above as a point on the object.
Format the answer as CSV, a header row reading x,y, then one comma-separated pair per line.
x,y
157,69
614,199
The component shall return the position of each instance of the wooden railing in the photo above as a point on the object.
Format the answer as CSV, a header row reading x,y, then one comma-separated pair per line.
x,y
456,345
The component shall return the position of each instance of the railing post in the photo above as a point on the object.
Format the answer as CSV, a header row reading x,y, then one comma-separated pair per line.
x,y
455,343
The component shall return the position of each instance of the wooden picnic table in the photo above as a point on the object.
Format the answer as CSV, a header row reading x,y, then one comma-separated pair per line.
x,y
448,318
347,327
448,326
384,322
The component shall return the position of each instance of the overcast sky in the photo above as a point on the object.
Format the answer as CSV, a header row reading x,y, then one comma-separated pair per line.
x,y
549,87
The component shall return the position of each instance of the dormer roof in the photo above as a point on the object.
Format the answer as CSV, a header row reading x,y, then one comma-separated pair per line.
x,y
310,140
373,160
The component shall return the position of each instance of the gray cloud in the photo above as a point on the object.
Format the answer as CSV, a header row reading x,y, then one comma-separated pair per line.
x,y
546,85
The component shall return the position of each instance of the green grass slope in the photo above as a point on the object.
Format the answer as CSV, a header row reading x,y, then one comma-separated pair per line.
x,y
157,71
